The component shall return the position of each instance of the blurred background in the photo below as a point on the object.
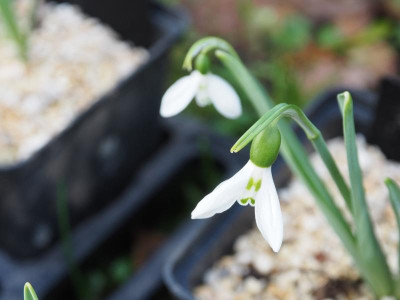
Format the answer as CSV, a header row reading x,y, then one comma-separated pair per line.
x,y
96,189
299,48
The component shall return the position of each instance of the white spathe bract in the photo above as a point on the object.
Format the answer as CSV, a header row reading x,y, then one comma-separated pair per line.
x,y
207,89
251,185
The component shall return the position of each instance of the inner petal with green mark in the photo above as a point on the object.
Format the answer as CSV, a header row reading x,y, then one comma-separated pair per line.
x,y
252,182
246,201
249,195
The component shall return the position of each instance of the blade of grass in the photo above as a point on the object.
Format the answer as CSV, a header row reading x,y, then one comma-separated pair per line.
x,y
372,257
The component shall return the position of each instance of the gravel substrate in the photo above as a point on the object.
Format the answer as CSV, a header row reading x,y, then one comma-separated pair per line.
x,y
312,263
73,59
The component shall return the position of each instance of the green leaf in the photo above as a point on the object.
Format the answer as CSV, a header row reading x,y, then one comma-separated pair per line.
x,y
294,35
330,36
374,263
394,195
29,292
9,19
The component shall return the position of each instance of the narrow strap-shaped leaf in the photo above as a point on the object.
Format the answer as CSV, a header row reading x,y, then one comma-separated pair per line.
x,y
378,274
10,22
394,195
29,292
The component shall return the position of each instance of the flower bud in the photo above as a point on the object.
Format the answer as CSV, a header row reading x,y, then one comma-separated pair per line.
x,y
265,147
202,63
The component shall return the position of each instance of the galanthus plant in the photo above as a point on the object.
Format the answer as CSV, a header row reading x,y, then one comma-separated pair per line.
x,y
271,134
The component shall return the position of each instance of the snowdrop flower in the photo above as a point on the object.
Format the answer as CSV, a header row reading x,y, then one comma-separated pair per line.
x,y
206,88
253,185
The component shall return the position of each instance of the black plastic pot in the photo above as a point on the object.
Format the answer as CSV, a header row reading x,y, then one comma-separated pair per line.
x,y
185,268
48,273
131,19
94,157
387,122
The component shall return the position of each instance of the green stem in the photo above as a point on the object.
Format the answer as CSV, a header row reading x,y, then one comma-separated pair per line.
x,y
321,147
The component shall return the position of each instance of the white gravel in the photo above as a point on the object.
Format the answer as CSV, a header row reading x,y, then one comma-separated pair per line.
x,y
312,260
73,59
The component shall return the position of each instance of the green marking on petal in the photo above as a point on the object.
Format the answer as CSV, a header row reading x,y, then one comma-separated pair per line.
x,y
245,201
250,184
257,186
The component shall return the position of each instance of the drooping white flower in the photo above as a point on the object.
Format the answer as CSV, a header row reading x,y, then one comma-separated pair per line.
x,y
251,185
206,89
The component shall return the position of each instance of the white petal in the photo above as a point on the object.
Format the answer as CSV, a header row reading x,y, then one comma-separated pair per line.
x,y
223,96
268,212
179,95
224,195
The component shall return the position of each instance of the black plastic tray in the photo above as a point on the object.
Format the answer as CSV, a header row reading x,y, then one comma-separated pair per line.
x,y
48,270
187,265
95,156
